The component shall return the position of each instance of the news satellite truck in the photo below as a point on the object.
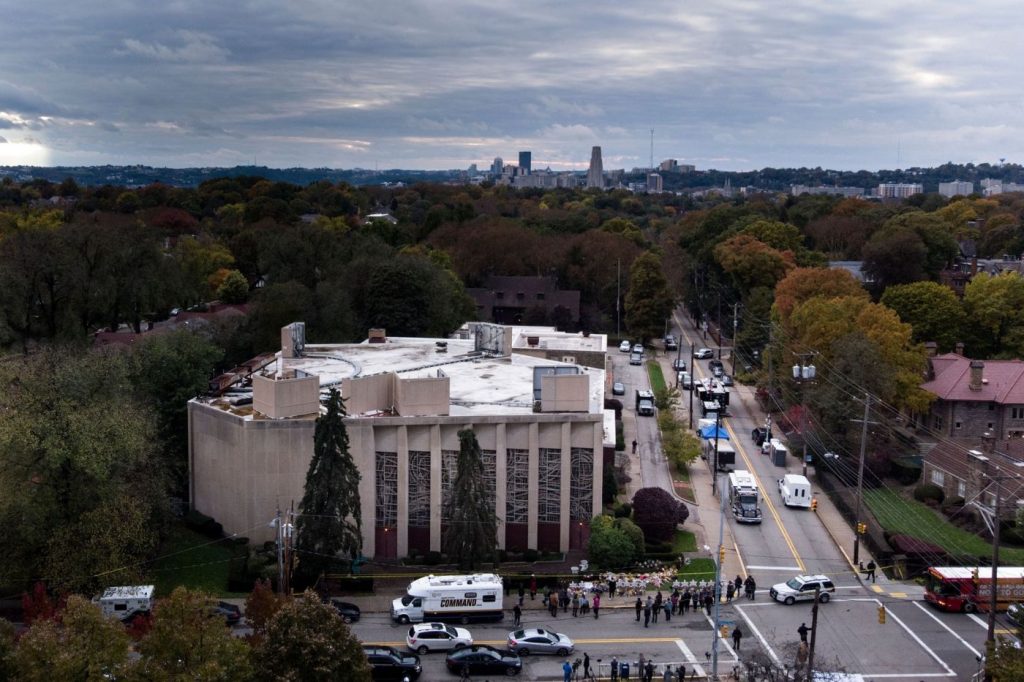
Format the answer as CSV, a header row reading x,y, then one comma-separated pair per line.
x,y
126,602
451,598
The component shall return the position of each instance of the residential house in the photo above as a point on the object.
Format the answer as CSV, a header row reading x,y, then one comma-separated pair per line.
x,y
974,397
966,467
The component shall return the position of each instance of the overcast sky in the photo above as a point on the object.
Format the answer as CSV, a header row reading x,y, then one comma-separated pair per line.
x,y
437,84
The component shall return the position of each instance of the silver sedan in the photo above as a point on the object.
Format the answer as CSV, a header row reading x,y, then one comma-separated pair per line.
x,y
539,641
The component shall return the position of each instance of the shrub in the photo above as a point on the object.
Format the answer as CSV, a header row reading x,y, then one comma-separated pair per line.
x,y
610,546
611,485
929,492
433,558
657,513
530,555
201,523
635,535
623,510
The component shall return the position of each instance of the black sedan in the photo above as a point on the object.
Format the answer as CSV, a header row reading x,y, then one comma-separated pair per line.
x,y
484,660
348,612
228,611
679,365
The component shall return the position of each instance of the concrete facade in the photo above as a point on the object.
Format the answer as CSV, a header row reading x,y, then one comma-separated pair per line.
x,y
540,424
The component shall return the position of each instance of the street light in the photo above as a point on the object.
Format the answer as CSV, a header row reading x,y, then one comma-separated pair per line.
x,y
802,374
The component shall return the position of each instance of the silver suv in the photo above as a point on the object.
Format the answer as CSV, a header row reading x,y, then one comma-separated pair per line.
x,y
801,588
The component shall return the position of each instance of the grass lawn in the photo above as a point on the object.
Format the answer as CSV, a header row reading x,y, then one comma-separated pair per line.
x,y
911,517
698,569
683,542
657,378
194,561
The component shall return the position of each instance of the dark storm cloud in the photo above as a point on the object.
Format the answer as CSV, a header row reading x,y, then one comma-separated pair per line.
x,y
437,84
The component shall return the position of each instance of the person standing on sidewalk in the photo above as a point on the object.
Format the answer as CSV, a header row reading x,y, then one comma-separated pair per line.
x,y
871,570
639,606
522,594
597,605
533,587
802,631
634,446
615,669
575,604
517,615
647,612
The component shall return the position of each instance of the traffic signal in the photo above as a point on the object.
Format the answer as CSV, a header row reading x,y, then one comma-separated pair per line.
x,y
862,528
814,505
725,632
721,555
881,615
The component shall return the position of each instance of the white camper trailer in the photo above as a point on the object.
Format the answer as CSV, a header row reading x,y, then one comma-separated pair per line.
x,y
451,598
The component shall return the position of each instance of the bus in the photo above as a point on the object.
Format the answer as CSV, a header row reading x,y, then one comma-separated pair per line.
x,y
743,497
969,588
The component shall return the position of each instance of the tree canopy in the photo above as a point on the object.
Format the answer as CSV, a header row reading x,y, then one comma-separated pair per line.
x,y
472,536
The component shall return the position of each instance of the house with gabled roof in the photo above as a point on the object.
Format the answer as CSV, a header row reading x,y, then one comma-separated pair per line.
x,y
965,467
975,397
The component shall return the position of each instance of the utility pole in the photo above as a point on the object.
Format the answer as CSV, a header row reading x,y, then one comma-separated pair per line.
x,y
803,374
735,326
279,526
814,634
693,377
860,476
618,296
990,640
718,585
714,472
289,532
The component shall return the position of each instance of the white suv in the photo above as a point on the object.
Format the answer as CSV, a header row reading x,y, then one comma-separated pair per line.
x,y
801,588
426,637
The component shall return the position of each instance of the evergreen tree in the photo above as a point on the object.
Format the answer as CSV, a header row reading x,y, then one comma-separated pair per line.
x,y
473,533
331,520
649,301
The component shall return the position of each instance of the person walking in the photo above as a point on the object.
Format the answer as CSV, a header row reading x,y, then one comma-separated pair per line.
x,y
597,605
533,587
802,631
517,615
567,672
871,570
586,665
575,604
634,446
737,635
647,612
639,606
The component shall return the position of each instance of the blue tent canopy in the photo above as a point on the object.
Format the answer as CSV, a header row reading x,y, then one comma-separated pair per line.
x,y
708,432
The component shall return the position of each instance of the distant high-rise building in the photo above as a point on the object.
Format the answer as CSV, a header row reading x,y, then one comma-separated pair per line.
x,y
957,187
498,166
595,175
899,190
524,162
669,166
654,182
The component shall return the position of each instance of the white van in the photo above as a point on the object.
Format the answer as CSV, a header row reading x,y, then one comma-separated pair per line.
x,y
795,490
451,598
126,602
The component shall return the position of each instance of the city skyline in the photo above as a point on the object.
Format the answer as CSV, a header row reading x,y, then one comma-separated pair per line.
x,y
442,85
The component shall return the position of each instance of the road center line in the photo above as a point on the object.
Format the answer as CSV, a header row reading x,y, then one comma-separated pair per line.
x,y
949,629
774,568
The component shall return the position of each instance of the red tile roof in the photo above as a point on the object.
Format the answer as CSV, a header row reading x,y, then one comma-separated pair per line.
x,y
1002,380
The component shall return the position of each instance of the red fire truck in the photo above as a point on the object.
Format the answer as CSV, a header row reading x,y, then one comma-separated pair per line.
x,y
969,588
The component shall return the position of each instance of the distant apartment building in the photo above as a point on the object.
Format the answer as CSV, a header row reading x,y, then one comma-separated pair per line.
x,y
899,190
654,182
525,162
991,187
956,188
797,190
545,179
595,174
669,166
512,299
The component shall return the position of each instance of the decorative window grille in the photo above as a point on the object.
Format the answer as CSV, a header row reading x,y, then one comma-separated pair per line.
x,y
387,489
517,486
490,461
449,470
419,488
549,485
581,484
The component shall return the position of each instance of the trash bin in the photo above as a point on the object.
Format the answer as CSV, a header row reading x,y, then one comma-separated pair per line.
x,y
623,671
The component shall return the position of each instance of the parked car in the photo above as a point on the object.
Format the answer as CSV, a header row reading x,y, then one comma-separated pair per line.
x,y
539,641
758,435
426,637
349,612
618,388
484,660
679,365
717,372
704,353
228,611
638,348
625,346
715,364
1015,613
388,663
726,380
671,343
801,588
685,380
